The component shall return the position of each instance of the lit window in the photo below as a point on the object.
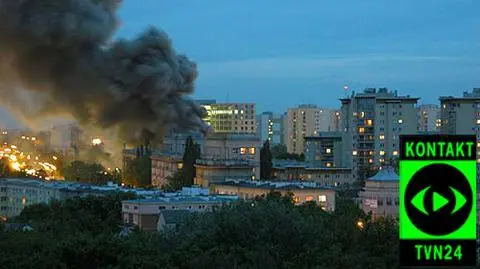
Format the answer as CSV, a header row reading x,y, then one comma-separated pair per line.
x,y
369,122
370,160
361,130
180,165
308,198
382,152
478,145
478,121
355,114
296,199
382,160
328,150
382,137
329,164
322,198
395,153
251,151
243,150
235,111
354,153
400,121
362,114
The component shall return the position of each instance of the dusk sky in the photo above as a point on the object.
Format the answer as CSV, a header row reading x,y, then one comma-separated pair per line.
x,y
281,53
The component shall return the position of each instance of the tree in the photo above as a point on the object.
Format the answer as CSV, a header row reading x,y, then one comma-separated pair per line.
x,y
138,171
190,156
278,150
86,172
174,183
265,162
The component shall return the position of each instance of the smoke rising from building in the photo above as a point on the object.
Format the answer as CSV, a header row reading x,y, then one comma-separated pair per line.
x,y
59,54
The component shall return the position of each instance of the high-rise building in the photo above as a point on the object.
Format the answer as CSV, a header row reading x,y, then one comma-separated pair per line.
x,y
306,120
461,115
428,118
373,121
230,117
270,127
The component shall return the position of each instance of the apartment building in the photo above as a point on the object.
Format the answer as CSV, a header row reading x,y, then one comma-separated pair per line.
x,y
428,118
307,120
228,156
373,121
231,117
302,191
461,115
271,127
380,194
326,150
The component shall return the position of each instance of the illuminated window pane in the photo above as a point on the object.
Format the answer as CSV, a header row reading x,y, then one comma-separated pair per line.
x,y
322,198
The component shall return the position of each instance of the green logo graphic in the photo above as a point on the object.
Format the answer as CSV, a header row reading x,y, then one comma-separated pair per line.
x,y
438,199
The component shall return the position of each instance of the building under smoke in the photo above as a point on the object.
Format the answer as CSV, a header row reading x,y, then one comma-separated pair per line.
x,y
57,59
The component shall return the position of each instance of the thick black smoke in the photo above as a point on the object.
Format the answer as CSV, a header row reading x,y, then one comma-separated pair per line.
x,y
59,52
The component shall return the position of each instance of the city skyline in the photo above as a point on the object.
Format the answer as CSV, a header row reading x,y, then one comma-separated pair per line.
x,y
282,55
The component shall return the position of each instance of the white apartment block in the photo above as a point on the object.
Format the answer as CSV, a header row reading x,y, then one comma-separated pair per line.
x,y
307,120
270,127
231,117
373,121
428,118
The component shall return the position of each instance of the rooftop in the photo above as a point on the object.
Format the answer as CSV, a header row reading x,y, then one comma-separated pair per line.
x,y
386,173
182,199
69,186
277,185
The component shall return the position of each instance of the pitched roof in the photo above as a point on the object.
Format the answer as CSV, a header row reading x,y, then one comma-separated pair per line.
x,y
387,173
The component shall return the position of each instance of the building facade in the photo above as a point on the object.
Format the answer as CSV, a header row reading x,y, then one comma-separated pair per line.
x,y
228,155
429,118
380,194
307,120
373,121
270,127
163,167
326,150
302,191
231,117
145,213
16,194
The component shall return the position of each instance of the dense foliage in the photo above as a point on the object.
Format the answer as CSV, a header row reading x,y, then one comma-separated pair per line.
x,y
138,171
280,152
266,233
84,172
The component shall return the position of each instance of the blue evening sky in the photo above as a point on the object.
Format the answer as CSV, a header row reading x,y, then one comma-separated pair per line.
x,y
280,53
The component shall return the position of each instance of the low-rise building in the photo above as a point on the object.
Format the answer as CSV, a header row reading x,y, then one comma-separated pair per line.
x,y
380,194
145,213
16,194
169,220
302,191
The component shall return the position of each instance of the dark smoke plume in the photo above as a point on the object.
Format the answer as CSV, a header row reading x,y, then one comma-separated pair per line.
x,y
59,53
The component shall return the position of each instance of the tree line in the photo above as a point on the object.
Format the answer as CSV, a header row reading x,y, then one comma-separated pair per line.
x,y
268,232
